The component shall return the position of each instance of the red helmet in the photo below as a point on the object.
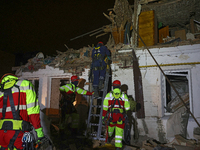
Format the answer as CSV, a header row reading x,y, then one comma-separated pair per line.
x,y
116,83
100,43
74,78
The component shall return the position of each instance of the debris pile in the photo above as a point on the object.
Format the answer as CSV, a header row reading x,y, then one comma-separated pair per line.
x,y
180,143
64,60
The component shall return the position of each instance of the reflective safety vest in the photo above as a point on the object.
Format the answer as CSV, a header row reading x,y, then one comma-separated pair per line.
x,y
97,54
115,106
11,124
15,123
19,107
98,57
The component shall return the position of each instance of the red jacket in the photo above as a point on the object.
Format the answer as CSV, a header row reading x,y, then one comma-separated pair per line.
x,y
29,109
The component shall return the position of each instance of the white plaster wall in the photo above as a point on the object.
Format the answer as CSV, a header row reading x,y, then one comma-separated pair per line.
x,y
179,54
151,78
151,84
126,77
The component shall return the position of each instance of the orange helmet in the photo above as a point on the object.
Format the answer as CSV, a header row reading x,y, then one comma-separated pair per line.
x,y
117,83
74,78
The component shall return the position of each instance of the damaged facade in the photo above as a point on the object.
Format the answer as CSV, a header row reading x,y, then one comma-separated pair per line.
x,y
179,58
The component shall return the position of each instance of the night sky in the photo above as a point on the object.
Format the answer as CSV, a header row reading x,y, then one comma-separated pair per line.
x,y
46,25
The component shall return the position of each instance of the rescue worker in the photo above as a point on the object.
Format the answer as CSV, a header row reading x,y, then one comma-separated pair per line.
x,y
19,112
98,67
69,92
115,106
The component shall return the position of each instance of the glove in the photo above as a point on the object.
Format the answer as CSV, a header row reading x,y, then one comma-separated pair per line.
x,y
40,133
104,120
43,143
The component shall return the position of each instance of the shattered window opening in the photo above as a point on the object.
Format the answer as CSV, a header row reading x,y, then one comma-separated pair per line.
x,y
181,82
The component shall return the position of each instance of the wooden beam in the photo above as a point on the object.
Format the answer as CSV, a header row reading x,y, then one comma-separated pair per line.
x,y
135,22
138,86
147,1
101,34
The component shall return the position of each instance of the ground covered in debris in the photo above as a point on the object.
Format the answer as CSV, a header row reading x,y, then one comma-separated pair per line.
x,y
69,142
72,143
86,143
81,142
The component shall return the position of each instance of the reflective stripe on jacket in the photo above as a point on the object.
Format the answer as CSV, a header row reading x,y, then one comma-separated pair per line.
x,y
109,101
29,108
71,88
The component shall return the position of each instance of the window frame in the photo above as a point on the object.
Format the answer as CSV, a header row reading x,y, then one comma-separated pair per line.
x,y
163,87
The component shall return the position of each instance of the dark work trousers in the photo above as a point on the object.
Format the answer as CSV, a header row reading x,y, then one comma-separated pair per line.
x,y
82,111
98,74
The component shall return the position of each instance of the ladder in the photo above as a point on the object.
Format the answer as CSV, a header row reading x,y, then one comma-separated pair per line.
x,y
94,121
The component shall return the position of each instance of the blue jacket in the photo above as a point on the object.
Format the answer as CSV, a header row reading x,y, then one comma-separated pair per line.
x,y
98,55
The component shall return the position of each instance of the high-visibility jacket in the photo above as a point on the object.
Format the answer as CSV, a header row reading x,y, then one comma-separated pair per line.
x,y
115,108
71,88
109,101
26,104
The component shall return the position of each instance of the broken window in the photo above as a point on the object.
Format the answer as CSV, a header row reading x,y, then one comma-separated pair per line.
x,y
181,81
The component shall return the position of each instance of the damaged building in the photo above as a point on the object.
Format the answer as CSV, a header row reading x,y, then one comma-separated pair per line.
x,y
166,48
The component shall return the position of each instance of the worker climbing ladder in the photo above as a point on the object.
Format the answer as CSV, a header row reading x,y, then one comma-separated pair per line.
x,y
95,113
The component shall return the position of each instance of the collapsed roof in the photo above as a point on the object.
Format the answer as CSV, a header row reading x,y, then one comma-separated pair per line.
x,y
172,13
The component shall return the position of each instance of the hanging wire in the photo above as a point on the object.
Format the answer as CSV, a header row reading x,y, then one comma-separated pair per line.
x,y
167,78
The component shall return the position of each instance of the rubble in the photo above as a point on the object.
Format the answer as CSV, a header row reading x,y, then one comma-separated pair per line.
x,y
181,143
86,143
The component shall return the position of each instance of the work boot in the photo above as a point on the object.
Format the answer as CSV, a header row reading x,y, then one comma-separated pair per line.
x,y
96,91
101,85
